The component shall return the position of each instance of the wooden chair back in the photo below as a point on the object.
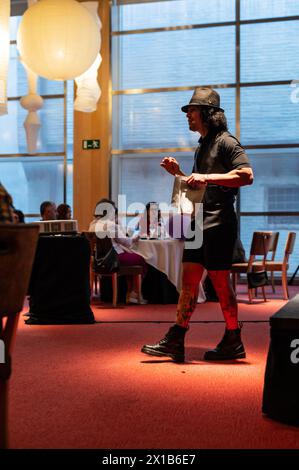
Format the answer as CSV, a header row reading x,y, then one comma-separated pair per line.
x,y
289,248
259,247
100,246
103,246
17,249
273,245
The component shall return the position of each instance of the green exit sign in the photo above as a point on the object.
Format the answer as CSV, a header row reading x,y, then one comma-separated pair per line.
x,y
91,144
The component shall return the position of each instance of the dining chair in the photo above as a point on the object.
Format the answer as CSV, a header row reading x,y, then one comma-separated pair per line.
x,y
282,266
100,247
17,249
259,247
272,253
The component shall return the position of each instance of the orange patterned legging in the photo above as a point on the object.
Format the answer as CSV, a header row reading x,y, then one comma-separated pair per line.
x,y
192,274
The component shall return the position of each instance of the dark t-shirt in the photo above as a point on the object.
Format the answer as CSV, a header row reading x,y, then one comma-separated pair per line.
x,y
219,153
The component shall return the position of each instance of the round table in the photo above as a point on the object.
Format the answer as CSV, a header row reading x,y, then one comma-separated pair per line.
x,y
166,256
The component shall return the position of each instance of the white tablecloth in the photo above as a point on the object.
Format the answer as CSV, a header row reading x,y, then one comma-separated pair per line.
x,y
166,256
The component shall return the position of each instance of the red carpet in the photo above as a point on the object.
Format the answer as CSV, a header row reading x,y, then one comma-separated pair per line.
x,y
88,386
257,311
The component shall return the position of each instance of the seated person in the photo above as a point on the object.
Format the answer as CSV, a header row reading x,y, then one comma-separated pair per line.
x,y
18,217
150,224
64,212
48,210
6,206
98,214
106,221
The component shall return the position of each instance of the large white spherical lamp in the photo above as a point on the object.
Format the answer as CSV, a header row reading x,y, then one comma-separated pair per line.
x,y
58,39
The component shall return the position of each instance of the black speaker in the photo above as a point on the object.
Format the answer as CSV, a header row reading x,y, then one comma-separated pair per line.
x,y
59,286
281,385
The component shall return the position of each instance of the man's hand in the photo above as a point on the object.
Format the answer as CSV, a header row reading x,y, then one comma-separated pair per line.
x,y
171,165
196,180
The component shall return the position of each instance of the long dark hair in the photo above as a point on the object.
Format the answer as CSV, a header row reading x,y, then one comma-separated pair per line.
x,y
213,119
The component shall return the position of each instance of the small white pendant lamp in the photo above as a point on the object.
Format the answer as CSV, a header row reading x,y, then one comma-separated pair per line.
x,y
32,102
88,90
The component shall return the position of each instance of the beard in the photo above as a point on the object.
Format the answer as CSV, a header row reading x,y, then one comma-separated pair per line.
x,y
192,126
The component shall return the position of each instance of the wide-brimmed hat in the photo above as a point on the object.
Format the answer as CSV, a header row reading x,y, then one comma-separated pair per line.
x,y
204,96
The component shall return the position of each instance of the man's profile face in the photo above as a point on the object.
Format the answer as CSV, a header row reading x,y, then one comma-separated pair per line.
x,y
50,212
194,118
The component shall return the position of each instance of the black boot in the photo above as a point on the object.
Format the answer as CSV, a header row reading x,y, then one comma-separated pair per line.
x,y
230,347
172,345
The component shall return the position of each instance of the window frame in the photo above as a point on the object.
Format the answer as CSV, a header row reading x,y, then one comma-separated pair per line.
x,y
46,155
237,85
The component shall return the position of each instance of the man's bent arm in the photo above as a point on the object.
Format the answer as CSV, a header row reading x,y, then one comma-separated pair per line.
x,y
233,179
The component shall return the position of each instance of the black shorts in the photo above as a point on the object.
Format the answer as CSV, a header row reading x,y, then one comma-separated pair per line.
x,y
216,252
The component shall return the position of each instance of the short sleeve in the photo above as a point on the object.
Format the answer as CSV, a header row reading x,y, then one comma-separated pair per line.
x,y
233,154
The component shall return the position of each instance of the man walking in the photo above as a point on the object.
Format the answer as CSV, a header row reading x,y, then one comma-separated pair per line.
x,y
221,164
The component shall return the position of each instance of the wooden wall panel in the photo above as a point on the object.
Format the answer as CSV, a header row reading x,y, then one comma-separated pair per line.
x,y
91,167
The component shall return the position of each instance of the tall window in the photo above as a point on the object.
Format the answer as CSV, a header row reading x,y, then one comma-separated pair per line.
x,y
246,49
47,175
283,199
